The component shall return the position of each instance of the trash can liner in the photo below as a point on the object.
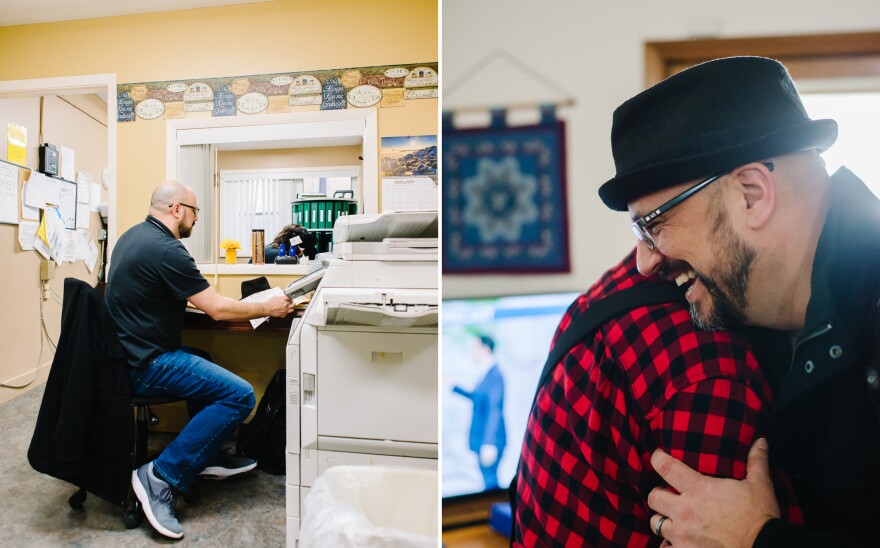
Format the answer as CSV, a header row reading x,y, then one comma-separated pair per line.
x,y
383,506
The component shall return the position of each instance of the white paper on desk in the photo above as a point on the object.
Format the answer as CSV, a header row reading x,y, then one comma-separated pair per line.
x,y
82,215
91,255
35,195
68,163
262,297
27,233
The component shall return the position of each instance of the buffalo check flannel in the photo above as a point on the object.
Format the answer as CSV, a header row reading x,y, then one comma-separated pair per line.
x,y
647,379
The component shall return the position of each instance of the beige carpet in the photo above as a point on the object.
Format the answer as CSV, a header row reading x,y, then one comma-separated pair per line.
x,y
244,511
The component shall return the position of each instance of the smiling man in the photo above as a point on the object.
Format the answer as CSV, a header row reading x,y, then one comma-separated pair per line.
x,y
717,299
720,171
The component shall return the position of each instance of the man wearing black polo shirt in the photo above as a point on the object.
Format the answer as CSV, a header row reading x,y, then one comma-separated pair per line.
x,y
152,276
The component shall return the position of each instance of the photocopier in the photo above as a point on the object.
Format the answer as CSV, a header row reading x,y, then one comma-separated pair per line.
x,y
362,362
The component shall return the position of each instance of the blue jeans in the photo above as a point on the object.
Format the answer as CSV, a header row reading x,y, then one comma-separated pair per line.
x,y
218,402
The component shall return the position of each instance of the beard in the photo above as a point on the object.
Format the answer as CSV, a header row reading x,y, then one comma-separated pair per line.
x,y
183,230
727,290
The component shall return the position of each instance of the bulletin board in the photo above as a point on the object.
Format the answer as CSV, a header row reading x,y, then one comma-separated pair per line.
x,y
65,241
12,186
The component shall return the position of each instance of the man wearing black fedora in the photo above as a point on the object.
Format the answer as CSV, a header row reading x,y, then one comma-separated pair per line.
x,y
720,171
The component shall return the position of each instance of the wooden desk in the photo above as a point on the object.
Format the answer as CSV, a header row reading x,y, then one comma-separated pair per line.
x,y
474,536
465,522
252,354
200,320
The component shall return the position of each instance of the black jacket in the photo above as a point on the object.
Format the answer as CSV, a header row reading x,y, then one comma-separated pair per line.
x,y
85,427
825,432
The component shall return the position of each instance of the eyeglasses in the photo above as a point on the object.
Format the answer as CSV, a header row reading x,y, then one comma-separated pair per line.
x,y
642,226
194,208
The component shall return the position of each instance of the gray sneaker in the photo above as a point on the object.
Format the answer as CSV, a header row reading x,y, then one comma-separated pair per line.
x,y
157,499
224,465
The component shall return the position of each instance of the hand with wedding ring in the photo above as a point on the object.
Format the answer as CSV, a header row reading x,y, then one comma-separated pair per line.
x,y
658,524
709,511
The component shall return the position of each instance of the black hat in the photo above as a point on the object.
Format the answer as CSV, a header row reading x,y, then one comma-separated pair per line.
x,y
704,121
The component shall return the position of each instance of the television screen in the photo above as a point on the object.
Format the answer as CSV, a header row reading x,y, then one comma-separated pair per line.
x,y
493,353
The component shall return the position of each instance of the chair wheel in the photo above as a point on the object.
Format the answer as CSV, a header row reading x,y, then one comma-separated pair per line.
x,y
77,499
132,519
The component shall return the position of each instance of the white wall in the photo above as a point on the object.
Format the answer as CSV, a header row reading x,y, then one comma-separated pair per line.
x,y
595,50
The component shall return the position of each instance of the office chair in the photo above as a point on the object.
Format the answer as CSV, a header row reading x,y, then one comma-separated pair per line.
x,y
84,431
143,418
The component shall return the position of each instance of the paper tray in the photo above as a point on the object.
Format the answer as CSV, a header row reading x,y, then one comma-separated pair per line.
x,y
381,315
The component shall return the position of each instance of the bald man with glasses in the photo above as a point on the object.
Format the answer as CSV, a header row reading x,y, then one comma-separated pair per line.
x,y
152,277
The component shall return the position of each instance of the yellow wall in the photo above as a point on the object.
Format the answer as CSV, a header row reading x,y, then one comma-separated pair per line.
x,y
229,285
251,39
289,158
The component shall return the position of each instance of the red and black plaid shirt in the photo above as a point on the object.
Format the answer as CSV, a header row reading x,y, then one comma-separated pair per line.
x,y
647,379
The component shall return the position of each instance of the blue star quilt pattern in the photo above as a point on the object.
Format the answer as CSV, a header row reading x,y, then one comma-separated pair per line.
x,y
504,203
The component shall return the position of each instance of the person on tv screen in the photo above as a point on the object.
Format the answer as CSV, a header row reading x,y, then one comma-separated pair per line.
x,y
488,435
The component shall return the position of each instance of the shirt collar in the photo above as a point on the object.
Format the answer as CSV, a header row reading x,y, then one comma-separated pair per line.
x,y
154,221
846,241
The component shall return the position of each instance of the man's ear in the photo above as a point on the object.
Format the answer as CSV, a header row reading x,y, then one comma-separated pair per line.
x,y
755,192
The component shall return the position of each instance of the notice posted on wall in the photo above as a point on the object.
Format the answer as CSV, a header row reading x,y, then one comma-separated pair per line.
x,y
8,193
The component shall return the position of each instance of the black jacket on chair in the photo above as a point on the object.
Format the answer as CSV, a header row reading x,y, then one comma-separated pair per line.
x,y
85,427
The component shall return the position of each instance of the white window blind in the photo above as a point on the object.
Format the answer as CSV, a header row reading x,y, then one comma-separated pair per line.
x,y
196,170
255,202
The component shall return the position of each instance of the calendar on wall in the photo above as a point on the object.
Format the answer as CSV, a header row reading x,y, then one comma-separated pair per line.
x,y
408,167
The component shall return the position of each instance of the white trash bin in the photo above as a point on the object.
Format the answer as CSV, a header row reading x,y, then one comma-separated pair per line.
x,y
386,506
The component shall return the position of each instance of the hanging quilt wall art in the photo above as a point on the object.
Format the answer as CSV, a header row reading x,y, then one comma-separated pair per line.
x,y
504,197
